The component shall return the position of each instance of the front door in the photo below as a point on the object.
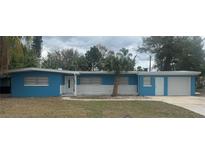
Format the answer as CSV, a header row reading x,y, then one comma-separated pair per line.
x,y
69,84
159,86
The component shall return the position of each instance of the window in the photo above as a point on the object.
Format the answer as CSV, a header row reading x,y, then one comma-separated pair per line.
x,y
124,80
68,83
147,81
90,80
36,81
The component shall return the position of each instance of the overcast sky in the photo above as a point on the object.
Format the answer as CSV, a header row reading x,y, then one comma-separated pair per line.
x,y
83,43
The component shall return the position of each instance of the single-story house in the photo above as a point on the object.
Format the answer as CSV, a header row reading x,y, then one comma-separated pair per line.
x,y
31,82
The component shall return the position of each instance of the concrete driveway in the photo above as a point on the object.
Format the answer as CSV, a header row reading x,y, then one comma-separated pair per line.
x,y
193,103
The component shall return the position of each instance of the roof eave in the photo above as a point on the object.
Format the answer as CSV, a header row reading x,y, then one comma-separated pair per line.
x,y
171,73
42,70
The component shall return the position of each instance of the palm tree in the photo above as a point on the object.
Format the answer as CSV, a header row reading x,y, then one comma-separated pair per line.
x,y
119,62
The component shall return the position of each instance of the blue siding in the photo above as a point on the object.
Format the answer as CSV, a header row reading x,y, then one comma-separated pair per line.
x,y
62,79
150,91
19,90
146,91
133,79
165,86
193,85
108,79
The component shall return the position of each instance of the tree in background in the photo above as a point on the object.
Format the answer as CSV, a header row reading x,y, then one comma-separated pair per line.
x,y
119,62
27,57
163,48
30,59
4,61
16,53
140,68
37,45
175,52
190,54
82,63
53,60
68,59
11,48
93,57
103,49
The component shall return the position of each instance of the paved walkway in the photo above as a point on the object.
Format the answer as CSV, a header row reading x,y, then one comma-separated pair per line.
x,y
193,103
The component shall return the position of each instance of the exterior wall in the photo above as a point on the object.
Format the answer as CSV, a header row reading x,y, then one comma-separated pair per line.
x,y
150,91
165,86
193,85
19,90
146,91
135,85
106,86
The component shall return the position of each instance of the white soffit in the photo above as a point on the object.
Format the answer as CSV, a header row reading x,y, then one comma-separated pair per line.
x,y
170,73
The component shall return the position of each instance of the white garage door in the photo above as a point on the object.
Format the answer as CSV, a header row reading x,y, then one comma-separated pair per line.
x,y
179,86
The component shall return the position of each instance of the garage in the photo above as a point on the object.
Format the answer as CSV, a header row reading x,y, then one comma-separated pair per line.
x,y
179,86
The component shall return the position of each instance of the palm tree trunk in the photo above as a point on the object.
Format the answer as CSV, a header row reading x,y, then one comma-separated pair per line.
x,y
116,85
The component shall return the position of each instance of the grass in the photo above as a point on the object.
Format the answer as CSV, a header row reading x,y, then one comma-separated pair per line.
x,y
56,107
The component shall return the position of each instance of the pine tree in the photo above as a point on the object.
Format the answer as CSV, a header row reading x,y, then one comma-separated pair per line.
x,y
37,45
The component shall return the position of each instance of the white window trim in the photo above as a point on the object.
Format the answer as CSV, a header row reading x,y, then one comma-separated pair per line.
x,y
30,85
147,85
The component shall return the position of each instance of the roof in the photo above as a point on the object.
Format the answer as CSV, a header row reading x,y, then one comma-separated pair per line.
x,y
66,72
170,73
105,72
43,70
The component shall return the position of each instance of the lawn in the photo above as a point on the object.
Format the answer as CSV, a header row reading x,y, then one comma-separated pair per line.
x,y
56,107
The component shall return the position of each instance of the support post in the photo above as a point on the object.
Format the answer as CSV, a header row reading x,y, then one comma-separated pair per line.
x,y
75,85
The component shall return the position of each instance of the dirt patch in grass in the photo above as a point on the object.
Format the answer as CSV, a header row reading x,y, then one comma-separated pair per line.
x,y
56,107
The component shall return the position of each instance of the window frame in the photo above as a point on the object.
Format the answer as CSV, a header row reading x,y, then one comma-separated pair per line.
x,y
36,78
90,79
147,85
